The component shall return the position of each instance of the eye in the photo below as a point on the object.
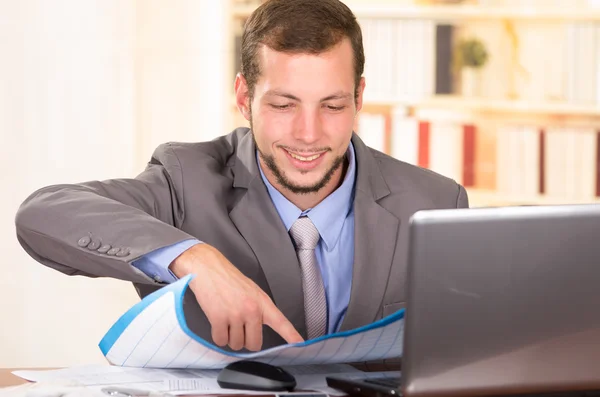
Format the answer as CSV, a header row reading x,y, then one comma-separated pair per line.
x,y
335,108
281,107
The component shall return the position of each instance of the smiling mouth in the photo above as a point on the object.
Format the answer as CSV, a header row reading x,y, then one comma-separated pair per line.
x,y
305,155
306,158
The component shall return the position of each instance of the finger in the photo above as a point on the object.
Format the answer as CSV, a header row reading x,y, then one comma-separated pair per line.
x,y
277,321
220,332
253,334
236,336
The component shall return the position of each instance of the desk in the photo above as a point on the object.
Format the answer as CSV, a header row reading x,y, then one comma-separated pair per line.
x,y
8,379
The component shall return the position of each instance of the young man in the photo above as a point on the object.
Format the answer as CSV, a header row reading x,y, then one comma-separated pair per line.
x,y
293,228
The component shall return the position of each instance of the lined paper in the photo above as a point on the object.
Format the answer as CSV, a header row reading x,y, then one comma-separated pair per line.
x,y
154,334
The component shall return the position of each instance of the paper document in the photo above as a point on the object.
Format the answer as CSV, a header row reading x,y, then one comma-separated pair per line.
x,y
181,382
154,334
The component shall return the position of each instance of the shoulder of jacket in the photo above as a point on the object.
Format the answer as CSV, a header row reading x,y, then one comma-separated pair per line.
x,y
218,150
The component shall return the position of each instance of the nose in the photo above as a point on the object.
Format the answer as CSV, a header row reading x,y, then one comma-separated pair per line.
x,y
308,128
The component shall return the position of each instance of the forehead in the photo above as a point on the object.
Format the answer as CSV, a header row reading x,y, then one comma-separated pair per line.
x,y
332,69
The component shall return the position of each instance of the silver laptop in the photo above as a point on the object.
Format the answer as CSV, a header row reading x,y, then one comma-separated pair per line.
x,y
501,301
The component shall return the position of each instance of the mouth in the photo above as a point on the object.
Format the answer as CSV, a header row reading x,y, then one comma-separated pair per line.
x,y
305,161
305,158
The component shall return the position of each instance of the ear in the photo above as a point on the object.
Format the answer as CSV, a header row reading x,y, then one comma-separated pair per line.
x,y
359,94
242,96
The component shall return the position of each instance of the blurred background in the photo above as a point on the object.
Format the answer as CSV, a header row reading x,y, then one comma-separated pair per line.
x,y
501,95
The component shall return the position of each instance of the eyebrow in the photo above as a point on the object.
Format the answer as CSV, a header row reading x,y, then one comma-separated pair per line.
x,y
337,95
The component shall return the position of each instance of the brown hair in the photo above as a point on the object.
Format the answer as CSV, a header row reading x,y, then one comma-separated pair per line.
x,y
299,26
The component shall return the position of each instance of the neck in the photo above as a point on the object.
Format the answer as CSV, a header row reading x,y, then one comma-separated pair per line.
x,y
309,200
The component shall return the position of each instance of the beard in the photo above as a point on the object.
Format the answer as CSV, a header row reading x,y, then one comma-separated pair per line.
x,y
286,183
295,188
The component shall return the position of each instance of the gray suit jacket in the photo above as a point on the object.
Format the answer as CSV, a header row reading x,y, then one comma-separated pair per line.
x,y
213,191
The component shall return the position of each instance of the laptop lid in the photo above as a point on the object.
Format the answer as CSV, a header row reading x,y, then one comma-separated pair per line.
x,y
503,301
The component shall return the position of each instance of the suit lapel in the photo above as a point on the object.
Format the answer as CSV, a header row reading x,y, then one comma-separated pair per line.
x,y
259,223
375,236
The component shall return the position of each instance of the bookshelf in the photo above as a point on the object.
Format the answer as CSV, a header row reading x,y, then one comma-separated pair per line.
x,y
495,119
506,106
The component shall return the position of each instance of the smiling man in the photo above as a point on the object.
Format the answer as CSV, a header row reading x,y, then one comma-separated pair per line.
x,y
294,228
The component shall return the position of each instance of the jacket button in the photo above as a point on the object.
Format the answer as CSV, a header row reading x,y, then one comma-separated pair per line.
x,y
104,249
112,251
84,241
123,252
95,244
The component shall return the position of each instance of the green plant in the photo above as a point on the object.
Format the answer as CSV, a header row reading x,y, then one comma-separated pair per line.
x,y
471,53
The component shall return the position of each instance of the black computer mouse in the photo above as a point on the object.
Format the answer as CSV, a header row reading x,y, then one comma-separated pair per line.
x,y
254,375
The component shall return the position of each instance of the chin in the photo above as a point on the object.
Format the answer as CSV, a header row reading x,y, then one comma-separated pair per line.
x,y
305,183
305,178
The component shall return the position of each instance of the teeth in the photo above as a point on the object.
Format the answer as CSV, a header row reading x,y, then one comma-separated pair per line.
x,y
302,158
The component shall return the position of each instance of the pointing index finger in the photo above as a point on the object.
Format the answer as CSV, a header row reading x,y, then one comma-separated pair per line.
x,y
277,321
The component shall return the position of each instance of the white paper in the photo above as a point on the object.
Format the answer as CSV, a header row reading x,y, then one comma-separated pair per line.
x,y
181,382
98,375
154,334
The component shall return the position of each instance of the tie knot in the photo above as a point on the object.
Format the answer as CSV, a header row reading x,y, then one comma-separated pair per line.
x,y
305,233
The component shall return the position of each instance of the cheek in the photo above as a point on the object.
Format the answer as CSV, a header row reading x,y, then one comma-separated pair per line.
x,y
339,127
272,126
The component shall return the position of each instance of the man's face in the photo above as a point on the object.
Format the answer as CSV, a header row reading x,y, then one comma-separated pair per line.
x,y
302,116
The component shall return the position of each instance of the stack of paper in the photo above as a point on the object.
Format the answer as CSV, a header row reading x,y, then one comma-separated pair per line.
x,y
182,382
154,334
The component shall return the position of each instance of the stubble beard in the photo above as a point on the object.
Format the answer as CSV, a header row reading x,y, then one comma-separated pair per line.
x,y
286,183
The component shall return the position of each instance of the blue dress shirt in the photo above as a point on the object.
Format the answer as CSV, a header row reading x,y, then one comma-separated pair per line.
x,y
156,263
333,218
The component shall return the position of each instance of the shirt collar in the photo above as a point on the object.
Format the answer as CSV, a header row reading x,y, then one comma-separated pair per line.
x,y
330,214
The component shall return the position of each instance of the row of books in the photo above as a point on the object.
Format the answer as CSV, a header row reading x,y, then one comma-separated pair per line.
x,y
542,61
559,161
399,58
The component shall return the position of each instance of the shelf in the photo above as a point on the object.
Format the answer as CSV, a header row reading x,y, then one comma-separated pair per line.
x,y
460,12
484,198
451,102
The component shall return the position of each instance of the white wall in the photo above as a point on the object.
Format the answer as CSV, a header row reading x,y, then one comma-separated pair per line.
x,y
87,89
182,70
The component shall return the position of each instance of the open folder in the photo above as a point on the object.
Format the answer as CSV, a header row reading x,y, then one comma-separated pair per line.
x,y
154,334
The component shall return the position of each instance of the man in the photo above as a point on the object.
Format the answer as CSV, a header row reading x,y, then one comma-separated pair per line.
x,y
293,228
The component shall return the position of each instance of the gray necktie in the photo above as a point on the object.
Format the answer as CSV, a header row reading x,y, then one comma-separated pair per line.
x,y
306,236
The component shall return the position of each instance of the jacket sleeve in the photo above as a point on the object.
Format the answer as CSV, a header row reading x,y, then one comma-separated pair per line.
x,y
98,228
462,201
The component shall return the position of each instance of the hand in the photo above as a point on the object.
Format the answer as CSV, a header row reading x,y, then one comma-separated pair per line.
x,y
235,306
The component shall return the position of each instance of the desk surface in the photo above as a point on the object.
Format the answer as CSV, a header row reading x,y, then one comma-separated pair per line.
x,y
8,379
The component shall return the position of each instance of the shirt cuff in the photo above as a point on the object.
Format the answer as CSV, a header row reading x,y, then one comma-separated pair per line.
x,y
156,264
